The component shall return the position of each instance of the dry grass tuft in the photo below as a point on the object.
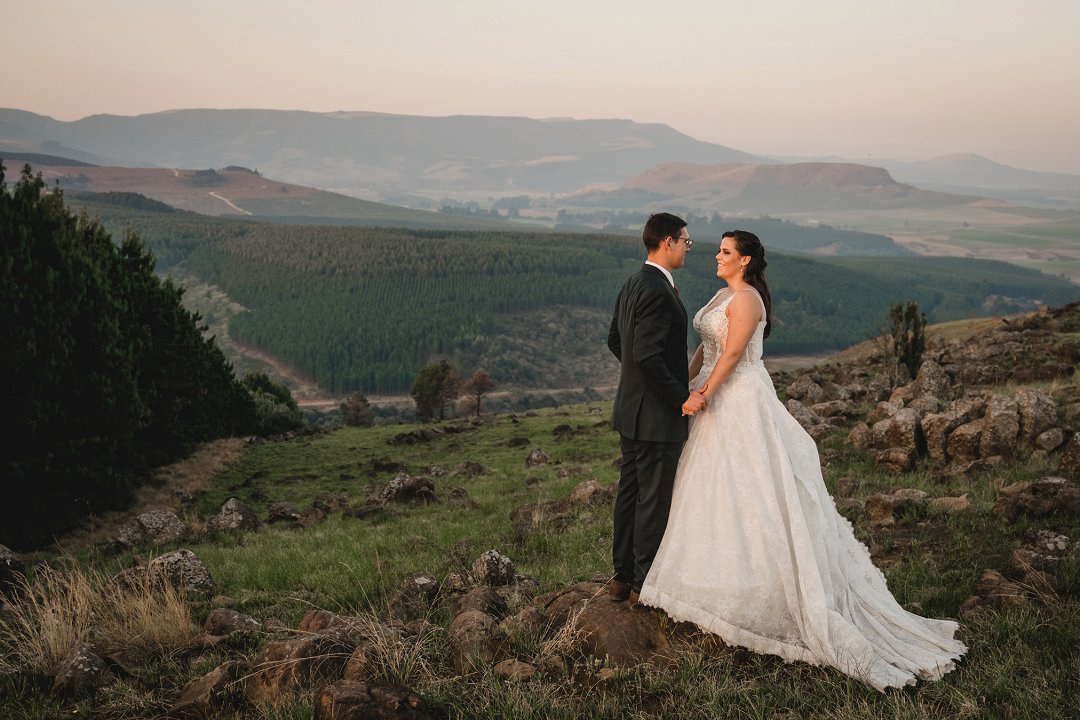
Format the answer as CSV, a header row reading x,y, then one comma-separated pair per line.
x,y
60,606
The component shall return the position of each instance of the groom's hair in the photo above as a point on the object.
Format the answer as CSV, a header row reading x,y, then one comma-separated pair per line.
x,y
660,226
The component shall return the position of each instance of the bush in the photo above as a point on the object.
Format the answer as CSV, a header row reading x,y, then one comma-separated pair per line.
x,y
356,411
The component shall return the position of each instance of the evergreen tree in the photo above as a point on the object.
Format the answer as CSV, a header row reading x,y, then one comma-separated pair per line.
x,y
106,373
436,385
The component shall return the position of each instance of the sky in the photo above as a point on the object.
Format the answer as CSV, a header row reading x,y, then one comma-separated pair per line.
x,y
860,79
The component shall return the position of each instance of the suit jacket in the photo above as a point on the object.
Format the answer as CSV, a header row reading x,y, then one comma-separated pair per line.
x,y
648,335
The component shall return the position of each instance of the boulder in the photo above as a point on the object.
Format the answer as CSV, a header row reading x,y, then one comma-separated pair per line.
x,y
1041,498
803,414
282,511
234,517
1000,592
964,442
184,571
405,489
331,502
537,457
298,663
623,637
474,640
938,426
932,380
354,700
376,644
807,389
1001,425
482,599
896,460
1069,463
557,607
223,621
208,694
839,409
311,516
951,505
1050,440
414,596
459,497
1038,413
493,568
588,492
925,404
884,509
157,527
902,431
861,436
81,673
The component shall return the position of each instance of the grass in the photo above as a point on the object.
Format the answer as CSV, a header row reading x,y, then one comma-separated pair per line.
x,y
1022,663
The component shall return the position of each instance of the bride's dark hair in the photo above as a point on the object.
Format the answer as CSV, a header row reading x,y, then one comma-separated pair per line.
x,y
748,245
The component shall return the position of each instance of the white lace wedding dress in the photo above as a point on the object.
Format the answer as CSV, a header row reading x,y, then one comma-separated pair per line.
x,y
756,552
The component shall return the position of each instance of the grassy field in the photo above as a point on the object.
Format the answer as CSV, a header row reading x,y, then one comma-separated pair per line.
x,y
1022,663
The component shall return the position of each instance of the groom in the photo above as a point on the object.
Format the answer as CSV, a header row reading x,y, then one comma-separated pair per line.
x,y
648,335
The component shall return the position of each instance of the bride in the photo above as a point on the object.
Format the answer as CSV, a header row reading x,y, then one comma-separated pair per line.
x,y
755,550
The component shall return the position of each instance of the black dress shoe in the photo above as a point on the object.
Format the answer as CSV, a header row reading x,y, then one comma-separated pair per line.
x,y
618,590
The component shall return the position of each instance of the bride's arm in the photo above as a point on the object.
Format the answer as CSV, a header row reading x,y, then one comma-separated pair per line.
x,y
697,361
743,313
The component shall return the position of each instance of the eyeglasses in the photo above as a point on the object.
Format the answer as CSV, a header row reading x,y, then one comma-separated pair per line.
x,y
689,242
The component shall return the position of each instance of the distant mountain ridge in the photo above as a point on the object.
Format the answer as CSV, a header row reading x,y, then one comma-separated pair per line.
x,y
371,154
749,188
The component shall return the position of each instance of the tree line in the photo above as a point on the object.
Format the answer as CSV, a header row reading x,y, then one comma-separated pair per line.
x,y
106,373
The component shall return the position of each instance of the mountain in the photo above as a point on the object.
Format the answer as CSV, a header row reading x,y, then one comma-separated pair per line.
x,y
235,191
405,159
971,174
752,188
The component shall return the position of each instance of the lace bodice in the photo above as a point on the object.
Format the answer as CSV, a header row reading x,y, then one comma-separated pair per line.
x,y
711,323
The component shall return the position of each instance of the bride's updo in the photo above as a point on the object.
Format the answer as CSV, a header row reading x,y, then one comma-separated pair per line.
x,y
748,245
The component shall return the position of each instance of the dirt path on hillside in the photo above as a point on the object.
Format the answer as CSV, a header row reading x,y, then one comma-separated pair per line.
x,y
171,488
304,389
230,203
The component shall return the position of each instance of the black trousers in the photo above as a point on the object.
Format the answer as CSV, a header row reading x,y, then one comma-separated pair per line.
x,y
646,479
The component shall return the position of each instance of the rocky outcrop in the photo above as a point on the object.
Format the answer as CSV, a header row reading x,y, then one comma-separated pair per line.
x,y
1038,499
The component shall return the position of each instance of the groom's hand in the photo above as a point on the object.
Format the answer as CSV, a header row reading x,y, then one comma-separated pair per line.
x,y
695,403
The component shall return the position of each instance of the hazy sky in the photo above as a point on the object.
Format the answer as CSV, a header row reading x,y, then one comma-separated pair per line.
x,y
906,80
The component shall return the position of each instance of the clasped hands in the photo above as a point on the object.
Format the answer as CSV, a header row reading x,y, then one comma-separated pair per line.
x,y
695,403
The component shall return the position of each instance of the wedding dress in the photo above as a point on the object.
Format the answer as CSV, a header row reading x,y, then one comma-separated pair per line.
x,y
755,550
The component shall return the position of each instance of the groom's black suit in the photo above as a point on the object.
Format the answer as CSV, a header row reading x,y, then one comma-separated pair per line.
x,y
648,335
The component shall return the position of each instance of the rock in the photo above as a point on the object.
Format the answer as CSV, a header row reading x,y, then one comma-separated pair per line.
x,y
405,489
861,436
999,592
157,527
376,644
589,492
459,497
1037,411
841,409
234,517
884,509
1037,499
208,694
81,673
298,663
557,607
612,632
282,512
353,700
925,404
414,596
1069,463
515,670
470,469
951,505
331,502
474,639
537,457
802,414
896,460
529,624
1001,425
481,599
223,621
515,442
1050,440
932,380
805,388
902,430
184,571
527,518
964,442
493,568
310,517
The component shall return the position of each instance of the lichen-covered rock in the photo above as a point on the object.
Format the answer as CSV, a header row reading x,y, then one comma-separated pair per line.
x,y
493,568
1038,413
234,517
885,509
184,571
157,527
1001,425
414,596
537,457
208,694
81,673
933,380
354,700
